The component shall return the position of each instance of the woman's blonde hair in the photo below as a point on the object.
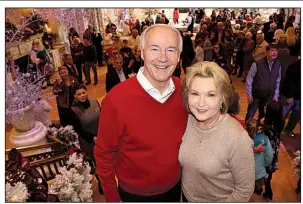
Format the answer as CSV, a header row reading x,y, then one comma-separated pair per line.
x,y
209,69
252,127
290,36
76,39
278,33
248,35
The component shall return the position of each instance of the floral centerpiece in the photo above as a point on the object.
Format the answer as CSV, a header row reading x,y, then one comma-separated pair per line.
x,y
21,95
66,135
24,183
73,184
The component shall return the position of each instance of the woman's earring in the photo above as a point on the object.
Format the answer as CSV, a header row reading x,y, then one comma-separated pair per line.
x,y
221,106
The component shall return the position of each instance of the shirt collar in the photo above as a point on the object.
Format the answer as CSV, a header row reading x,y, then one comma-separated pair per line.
x,y
148,86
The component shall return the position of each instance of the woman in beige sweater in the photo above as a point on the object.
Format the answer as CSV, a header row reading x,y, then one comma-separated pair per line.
x,y
216,153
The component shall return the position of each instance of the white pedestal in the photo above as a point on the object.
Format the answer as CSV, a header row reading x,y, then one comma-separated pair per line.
x,y
35,136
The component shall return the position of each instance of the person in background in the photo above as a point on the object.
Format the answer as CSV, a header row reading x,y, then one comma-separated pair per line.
x,y
134,40
176,16
270,34
136,62
126,29
207,48
190,22
188,53
292,41
76,51
97,42
272,128
85,113
131,141
62,89
260,91
69,64
72,34
116,74
149,19
199,51
248,48
261,44
89,61
127,54
216,153
262,160
292,91
212,38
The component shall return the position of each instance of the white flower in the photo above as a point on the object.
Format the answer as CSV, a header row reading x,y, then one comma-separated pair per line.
x,y
17,193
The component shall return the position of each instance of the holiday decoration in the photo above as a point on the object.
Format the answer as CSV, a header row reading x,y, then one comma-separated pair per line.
x,y
73,184
19,28
16,193
66,134
23,183
297,164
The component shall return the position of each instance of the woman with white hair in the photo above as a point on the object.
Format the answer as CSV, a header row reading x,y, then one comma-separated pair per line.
x,y
270,34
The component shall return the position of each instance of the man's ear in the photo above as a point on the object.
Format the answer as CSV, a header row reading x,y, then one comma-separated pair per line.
x,y
142,55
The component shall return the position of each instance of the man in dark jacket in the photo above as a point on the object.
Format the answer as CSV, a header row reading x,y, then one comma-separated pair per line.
x,y
292,91
263,82
116,73
68,63
89,60
97,40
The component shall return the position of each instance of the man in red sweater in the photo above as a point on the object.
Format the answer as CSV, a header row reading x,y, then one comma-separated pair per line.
x,y
141,126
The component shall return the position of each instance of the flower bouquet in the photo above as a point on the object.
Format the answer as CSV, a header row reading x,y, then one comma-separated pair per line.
x,y
73,184
65,135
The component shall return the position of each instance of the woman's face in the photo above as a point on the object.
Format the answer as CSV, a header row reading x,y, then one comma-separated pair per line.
x,y
138,52
216,49
63,73
81,95
204,99
212,35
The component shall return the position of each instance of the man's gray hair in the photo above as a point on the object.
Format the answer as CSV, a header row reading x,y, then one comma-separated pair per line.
x,y
118,56
142,43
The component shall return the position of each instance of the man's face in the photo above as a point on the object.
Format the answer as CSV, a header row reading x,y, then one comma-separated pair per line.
x,y
125,44
118,63
69,60
272,53
259,38
220,26
86,41
204,28
161,54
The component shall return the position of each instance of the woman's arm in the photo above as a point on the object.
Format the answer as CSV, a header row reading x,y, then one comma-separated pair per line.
x,y
242,166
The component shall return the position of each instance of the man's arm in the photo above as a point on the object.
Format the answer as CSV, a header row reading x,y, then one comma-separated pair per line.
x,y
250,78
106,146
276,95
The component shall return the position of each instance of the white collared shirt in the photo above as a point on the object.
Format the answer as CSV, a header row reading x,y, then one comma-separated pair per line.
x,y
148,87
121,75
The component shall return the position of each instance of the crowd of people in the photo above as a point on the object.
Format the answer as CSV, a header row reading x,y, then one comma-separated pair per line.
x,y
163,138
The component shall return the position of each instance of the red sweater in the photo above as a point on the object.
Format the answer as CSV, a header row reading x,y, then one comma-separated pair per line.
x,y
139,140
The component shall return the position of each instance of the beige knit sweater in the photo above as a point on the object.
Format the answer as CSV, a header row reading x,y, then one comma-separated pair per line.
x,y
217,164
